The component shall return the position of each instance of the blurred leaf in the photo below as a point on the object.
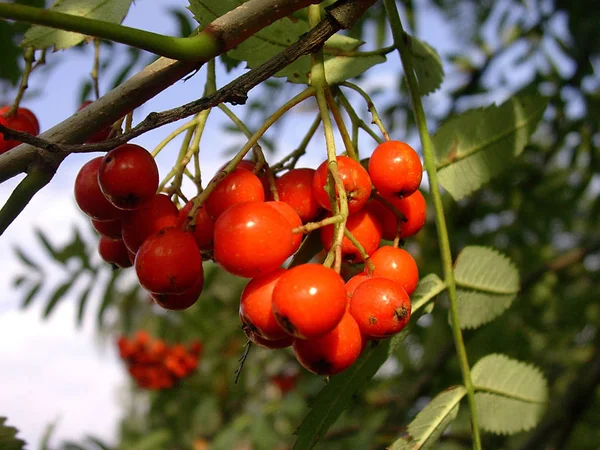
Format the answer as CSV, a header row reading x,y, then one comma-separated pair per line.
x,y
430,423
153,440
19,280
74,249
487,284
8,437
70,445
48,433
46,244
428,66
429,286
11,55
108,298
26,259
31,295
59,293
83,300
39,37
183,20
511,396
128,308
134,57
98,443
478,145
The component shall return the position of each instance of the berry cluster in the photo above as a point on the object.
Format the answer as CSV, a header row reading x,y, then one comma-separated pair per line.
x,y
155,365
22,120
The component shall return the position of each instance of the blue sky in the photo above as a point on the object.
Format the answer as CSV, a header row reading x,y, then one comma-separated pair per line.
x,y
51,370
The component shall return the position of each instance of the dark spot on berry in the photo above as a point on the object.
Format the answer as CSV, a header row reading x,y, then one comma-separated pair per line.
x,y
372,320
285,322
401,313
323,366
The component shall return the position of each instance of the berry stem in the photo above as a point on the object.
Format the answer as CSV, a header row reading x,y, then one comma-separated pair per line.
x,y
96,68
402,42
356,120
289,162
361,250
311,226
339,121
371,106
29,58
339,205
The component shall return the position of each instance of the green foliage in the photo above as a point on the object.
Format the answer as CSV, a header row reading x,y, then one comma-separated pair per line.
x,y
427,64
108,10
511,395
430,423
488,283
8,437
9,69
478,145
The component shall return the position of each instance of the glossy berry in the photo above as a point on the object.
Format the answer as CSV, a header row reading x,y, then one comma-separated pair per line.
x,y
128,176
100,135
364,226
397,265
26,113
238,187
309,300
169,262
204,228
23,120
414,210
381,307
295,189
272,344
293,219
178,302
137,225
353,283
88,195
256,306
332,353
252,239
356,182
113,251
108,228
395,169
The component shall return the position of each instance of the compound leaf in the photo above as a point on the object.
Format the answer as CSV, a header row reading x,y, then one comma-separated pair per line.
x,y
427,65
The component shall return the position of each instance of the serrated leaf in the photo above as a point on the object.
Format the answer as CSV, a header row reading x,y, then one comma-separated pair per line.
x,y
430,423
341,390
39,37
31,295
427,65
8,437
59,294
487,284
511,396
478,145
341,68
26,259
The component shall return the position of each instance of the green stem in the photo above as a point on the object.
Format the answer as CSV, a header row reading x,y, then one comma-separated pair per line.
x,y
197,48
29,60
401,42
371,106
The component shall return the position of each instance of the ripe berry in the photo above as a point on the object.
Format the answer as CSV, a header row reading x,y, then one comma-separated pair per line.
x,y
238,187
203,229
178,302
88,195
412,207
353,283
252,239
381,307
333,352
364,226
26,113
99,136
23,120
293,219
128,176
356,182
267,343
169,262
137,225
256,306
108,228
395,169
398,265
295,189
113,251
309,300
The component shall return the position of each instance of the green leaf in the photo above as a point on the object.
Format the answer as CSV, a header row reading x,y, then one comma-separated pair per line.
x,y
481,143
487,284
26,259
427,64
341,390
108,298
31,295
74,249
8,437
59,293
83,301
46,244
98,443
511,396
11,54
311,245
341,68
113,11
430,423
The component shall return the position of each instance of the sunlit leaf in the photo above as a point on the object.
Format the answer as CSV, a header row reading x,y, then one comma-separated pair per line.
x,y
107,10
511,396
427,65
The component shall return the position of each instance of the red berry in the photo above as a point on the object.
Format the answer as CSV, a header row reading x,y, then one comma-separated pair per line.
x,y
386,217
267,343
99,136
414,210
309,300
108,228
353,283
113,251
356,182
293,219
88,195
397,265
381,307
128,176
238,187
364,226
295,189
137,225
332,353
395,169
252,239
169,262
178,302
28,114
203,229
256,306
21,121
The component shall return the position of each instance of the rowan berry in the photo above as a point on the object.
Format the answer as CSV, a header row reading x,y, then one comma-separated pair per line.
x,y
203,229
113,251
398,265
295,189
395,169
239,186
88,195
